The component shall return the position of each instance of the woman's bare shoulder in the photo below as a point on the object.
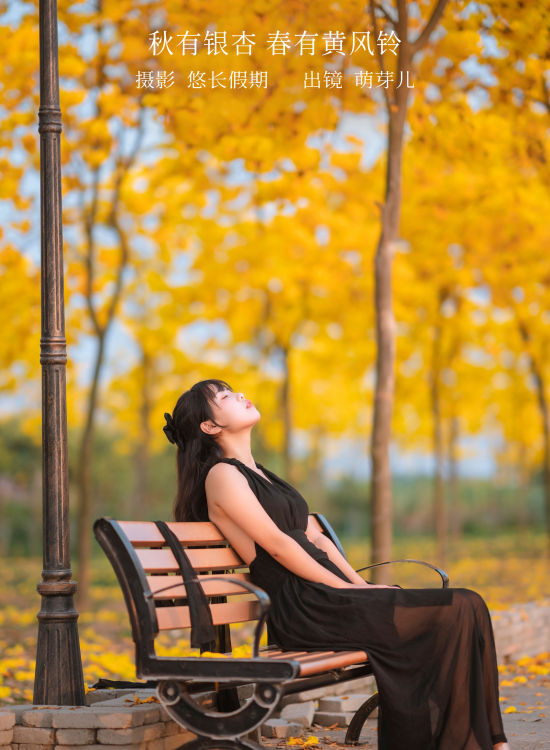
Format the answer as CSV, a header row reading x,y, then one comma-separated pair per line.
x,y
221,473
225,486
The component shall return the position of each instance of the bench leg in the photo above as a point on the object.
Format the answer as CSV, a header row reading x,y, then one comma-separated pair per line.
x,y
255,735
227,699
359,718
207,723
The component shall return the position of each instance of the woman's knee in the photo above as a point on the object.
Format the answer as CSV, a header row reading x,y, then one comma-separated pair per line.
x,y
476,601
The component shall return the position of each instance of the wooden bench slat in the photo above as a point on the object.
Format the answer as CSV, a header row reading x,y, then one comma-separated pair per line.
x,y
178,617
163,561
326,661
145,533
210,588
286,654
303,657
312,655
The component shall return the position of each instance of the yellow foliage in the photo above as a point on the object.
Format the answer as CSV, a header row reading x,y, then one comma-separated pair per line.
x,y
20,287
303,742
348,161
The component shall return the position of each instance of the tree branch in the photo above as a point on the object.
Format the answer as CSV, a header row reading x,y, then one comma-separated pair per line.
x,y
380,56
386,14
123,168
424,35
89,221
545,93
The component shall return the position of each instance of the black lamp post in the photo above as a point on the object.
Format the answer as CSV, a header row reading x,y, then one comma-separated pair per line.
x,y
58,675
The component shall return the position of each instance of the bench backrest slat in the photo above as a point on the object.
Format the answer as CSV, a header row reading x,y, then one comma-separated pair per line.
x,y
171,618
202,559
210,588
144,533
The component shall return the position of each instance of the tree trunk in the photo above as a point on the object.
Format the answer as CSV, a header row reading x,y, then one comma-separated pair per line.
x,y
523,488
35,502
101,331
123,164
544,409
545,415
314,480
455,520
454,517
4,526
381,490
140,503
84,483
287,417
440,511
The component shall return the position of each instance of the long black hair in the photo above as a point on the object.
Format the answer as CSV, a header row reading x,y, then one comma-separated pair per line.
x,y
197,451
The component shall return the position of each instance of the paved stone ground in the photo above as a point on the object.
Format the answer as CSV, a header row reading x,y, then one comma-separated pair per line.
x,y
528,728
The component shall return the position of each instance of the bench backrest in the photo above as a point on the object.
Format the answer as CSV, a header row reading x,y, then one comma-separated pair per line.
x,y
144,565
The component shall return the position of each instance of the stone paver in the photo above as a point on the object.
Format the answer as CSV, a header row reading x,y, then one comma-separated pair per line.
x,y
299,713
74,736
343,703
137,734
7,719
329,718
527,728
280,728
32,735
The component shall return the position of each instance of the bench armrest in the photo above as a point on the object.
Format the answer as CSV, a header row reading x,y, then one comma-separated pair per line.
x,y
260,594
444,576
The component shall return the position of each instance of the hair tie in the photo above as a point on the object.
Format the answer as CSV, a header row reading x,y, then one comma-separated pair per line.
x,y
171,432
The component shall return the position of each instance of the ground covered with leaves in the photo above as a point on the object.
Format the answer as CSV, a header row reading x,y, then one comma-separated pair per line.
x,y
504,569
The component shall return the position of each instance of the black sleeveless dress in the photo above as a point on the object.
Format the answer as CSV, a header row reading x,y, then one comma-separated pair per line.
x,y
432,650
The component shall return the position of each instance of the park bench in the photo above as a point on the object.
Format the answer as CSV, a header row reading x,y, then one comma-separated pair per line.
x,y
167,590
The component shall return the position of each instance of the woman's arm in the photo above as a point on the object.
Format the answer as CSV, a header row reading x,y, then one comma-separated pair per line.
x,y
323,542
232,503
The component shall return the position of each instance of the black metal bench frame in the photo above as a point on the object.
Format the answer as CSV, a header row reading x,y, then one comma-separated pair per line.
x,y
179,678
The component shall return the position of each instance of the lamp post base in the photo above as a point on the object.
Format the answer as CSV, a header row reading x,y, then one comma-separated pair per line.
x,y
59,680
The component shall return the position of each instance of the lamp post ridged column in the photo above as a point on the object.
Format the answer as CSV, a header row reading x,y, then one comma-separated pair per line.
x,y
58,675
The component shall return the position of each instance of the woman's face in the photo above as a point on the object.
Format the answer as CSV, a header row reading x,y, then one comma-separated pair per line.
x,y
233,410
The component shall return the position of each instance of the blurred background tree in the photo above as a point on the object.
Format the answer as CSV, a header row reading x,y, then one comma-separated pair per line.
x,y
232,232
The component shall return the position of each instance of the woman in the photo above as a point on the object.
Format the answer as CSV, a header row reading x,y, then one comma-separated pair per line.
x,y
432,650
